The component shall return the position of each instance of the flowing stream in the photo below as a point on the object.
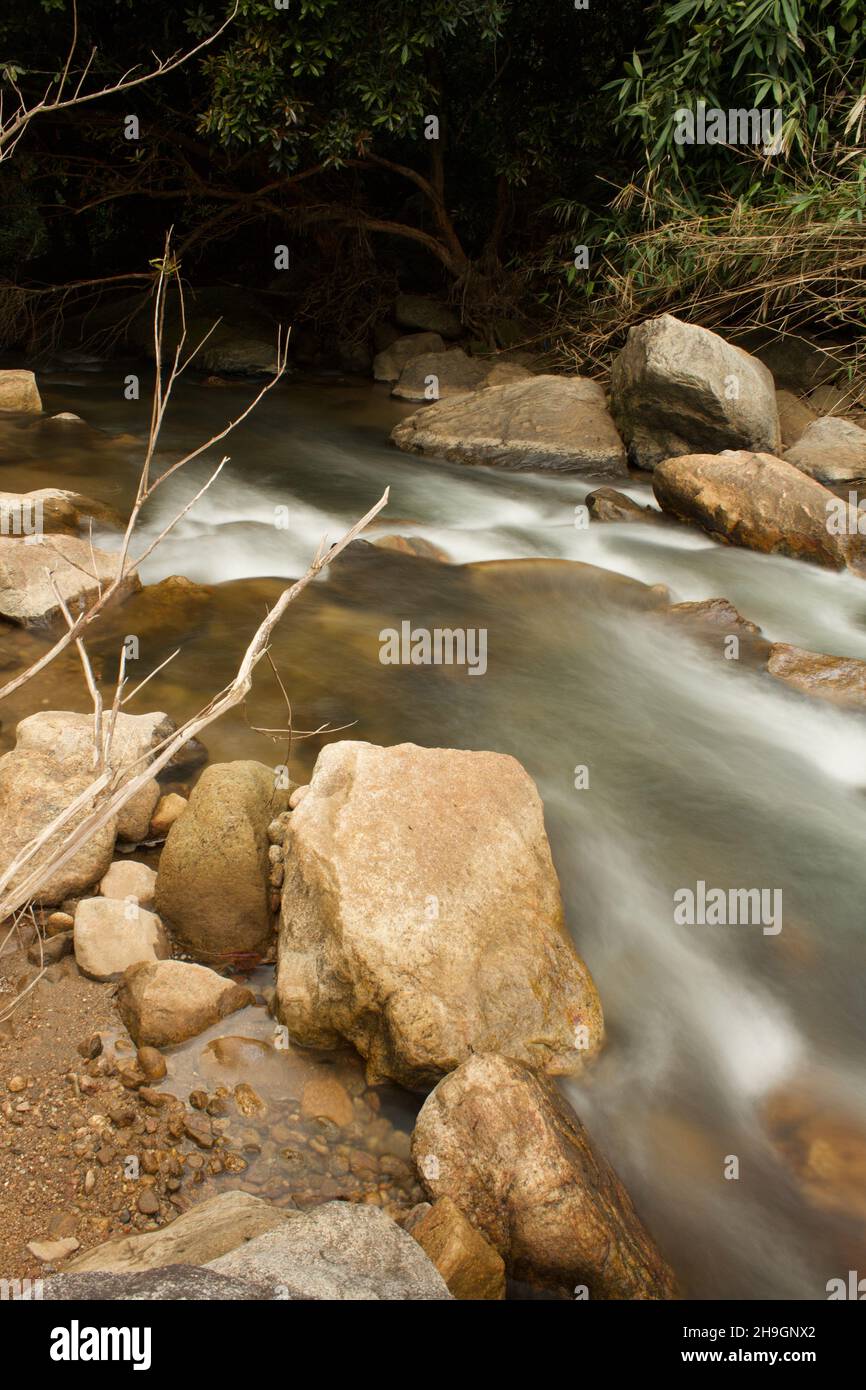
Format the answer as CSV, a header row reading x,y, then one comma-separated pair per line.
x,y
723,1041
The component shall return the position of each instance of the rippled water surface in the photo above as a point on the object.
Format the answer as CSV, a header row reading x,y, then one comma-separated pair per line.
x,y
723,1041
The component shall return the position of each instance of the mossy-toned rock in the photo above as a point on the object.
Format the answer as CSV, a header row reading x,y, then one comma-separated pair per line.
x,y
436,375
795,416
212,884
515,1159
422,918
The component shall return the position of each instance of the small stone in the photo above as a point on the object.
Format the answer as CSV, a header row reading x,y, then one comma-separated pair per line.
x,y
157,1099
127,879
51,950
248,1101
198,1100
362,1162
470,1266
90,1047
89,1181
199,1130
326,1098
59,922
152,1063
16,1084
49,1251
168,809
148,1203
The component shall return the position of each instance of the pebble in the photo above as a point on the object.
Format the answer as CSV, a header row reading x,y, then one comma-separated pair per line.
x,y
148,1202
16,1084
152,1063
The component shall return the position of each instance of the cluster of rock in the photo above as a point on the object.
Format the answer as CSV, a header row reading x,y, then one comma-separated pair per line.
x,y
420,919
750,464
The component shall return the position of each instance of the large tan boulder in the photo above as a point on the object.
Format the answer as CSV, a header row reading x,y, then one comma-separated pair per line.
x,y
212,884
168,1001
68,738
204,1233
422,918
111,935
832,450
679,389
19,392
544,422
758,501
33,792
515,1159
78,570
388,364
470,1266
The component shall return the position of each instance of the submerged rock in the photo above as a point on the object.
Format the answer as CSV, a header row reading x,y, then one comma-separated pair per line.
x,y
170,1000
517,1162
824,1146
757,501
422,918
212,885
840,679
544,422
606,504
680,389
339,1251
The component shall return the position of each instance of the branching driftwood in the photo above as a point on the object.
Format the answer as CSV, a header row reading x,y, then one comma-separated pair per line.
x,y
111,789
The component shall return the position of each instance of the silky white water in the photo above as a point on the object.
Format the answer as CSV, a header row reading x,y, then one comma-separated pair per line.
x,y
698,768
